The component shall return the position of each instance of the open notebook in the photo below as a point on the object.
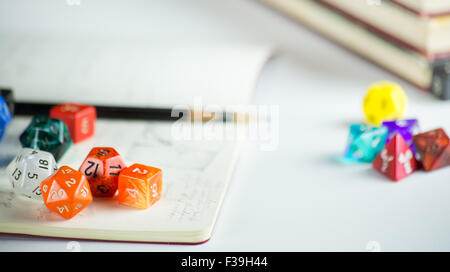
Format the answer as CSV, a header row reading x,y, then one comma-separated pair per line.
x,y
195,172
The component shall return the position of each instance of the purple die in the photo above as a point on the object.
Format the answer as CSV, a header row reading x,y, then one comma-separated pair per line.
x,y
406,128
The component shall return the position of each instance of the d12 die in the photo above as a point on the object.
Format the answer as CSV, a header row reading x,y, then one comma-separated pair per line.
x,y
365,142
48,134
5,116
66,192
140,186
433,149
80,119
102,167
396,160
383,102
28,169
406,128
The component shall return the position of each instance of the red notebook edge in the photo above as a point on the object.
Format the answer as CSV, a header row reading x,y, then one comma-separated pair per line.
x,y
101,240
421,13
430,56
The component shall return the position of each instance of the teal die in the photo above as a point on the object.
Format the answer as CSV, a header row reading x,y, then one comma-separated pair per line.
x,y
365,142
47,134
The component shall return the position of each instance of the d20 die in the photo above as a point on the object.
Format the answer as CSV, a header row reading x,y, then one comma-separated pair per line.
x,y
66,192
102,167
140,186
396,160
48,134
406,128
80,119
433,149
365,142
384,101
28,169
5,116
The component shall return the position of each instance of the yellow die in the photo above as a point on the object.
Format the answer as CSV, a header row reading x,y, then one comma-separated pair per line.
x,y
385,101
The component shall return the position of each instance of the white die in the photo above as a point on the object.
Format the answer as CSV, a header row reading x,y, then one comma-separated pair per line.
x,y
28,169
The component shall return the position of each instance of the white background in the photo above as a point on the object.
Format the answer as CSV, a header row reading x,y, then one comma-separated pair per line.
x,y
297,197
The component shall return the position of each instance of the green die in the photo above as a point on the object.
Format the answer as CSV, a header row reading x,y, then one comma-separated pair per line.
x,y
48,134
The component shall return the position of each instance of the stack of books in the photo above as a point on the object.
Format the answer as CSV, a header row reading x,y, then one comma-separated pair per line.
x,y
410,38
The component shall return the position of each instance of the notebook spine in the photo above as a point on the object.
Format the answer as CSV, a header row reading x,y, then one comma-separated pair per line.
x,y
440,83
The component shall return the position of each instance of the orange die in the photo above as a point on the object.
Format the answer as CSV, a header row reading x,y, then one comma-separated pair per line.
x,y
66,192
79,119
140,186
102,167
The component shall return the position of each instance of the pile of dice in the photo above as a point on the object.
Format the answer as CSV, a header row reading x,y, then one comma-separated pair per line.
x,y
34,173
395,147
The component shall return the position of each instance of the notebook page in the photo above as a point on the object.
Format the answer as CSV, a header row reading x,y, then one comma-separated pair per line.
x,y
129,73
195,178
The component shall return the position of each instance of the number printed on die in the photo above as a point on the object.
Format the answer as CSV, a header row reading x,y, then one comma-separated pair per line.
x,y
66,171
154,189
37,191
61,209
71,182
142,172
84,191
32,176
16,174
92,173
115,167
43,164
45,188
57,195
102,152
102,188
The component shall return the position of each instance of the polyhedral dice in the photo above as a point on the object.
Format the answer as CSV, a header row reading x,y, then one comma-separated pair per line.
x,y
102,167
48,134
365,142
79,119
433,149
396,160
385,101
140,186
5,116
66,192
28,169
8,96
406,128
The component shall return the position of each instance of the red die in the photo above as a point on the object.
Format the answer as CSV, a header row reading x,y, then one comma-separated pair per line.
x,y
396,160
102,167
433,148
79,119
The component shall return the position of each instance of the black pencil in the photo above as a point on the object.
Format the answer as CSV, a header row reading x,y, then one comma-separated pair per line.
x,y
27,108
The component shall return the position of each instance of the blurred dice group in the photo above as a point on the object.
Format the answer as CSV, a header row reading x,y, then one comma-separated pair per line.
x,y
395,147
34,172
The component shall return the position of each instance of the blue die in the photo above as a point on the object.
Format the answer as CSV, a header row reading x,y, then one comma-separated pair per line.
x,y
5,116
365,142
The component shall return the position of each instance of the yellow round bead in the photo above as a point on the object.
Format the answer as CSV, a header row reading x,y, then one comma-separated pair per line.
x,y
384,101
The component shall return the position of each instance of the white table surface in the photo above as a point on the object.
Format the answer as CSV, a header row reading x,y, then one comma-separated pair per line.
x,y
297,197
